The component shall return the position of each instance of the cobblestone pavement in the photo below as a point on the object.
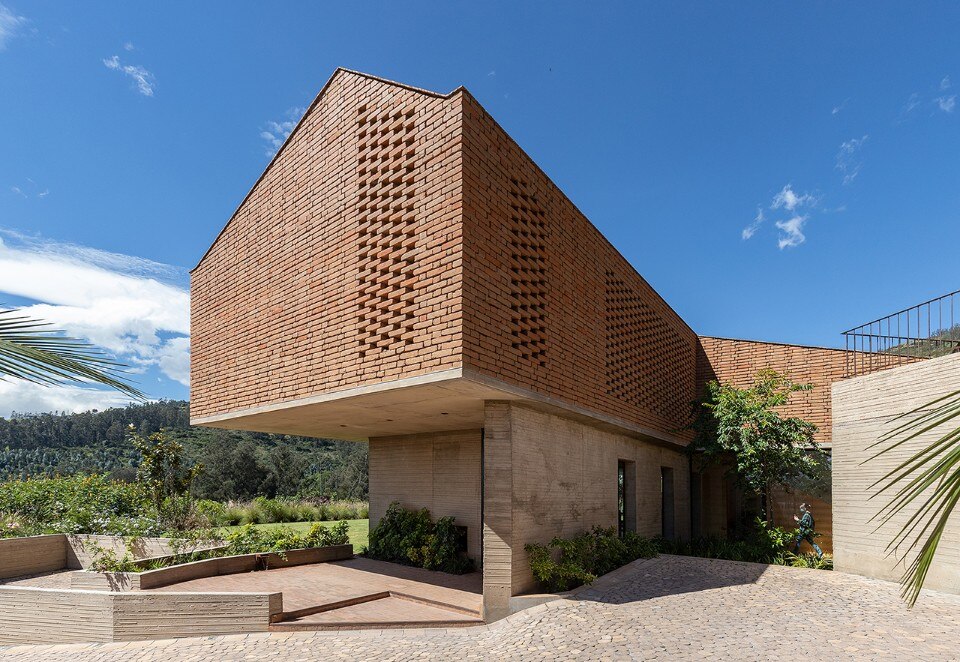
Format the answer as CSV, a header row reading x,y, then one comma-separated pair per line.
x,y
666,608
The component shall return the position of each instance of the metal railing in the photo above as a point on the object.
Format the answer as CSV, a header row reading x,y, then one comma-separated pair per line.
x,y
924,331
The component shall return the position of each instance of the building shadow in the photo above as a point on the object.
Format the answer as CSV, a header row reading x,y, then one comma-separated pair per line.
x,y
667,574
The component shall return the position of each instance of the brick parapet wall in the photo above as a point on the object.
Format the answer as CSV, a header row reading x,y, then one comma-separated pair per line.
x,y
737,362
342,267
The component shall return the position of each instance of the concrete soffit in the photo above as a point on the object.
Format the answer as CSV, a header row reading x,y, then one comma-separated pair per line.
x,y
439,401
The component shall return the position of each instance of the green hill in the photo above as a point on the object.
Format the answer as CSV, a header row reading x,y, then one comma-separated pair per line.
x,y
237,465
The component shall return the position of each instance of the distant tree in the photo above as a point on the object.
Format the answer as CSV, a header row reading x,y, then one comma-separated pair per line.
x,y
286,472
162,467
744,428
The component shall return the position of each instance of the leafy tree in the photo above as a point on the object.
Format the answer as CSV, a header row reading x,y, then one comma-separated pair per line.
x,y
162,468
743,426
31,352
929,480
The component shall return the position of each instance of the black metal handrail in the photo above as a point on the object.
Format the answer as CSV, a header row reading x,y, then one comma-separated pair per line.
x,y
923,331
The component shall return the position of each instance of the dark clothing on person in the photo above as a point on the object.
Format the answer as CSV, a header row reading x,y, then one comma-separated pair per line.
x,y
806,533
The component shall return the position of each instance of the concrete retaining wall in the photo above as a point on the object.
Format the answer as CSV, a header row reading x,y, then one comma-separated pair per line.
x,y
52,616
863,411
227,565
32,555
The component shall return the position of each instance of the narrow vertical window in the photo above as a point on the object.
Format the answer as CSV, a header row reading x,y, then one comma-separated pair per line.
x,y
668,517
626,497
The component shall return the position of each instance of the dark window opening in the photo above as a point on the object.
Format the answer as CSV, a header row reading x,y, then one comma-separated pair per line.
x,y
668,517
626,497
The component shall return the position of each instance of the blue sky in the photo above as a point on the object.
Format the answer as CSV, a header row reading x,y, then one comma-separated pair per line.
x,y
828,135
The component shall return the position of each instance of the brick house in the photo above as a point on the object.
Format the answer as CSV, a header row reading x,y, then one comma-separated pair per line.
x,y
403,273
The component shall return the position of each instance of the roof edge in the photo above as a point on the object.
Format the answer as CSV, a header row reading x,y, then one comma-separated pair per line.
x,y
338,71
770,342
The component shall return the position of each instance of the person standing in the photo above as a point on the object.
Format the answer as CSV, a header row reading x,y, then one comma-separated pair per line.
x,y
805,524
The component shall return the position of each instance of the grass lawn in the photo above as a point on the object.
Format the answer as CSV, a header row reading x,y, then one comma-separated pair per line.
x,y
359,530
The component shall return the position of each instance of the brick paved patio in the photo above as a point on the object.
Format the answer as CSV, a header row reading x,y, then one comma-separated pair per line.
x,y
384,593
666,608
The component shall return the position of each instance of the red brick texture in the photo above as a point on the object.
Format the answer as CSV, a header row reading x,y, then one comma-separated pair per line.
x,y
342,267
551,306
399,233
737,362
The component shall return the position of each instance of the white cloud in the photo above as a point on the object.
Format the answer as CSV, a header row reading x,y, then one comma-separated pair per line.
x,y
792,229
789,200
947,103
945,83
29,190
26,398
837,109
275,133
751,229
134,308
848,158
128,46
912,103
145,81
10,25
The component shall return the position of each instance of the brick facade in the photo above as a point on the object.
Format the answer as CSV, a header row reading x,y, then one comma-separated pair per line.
x,y
737,362
403,272
549,303
400,233
342,266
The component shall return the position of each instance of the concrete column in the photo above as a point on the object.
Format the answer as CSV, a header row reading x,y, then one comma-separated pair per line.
x,y
497,510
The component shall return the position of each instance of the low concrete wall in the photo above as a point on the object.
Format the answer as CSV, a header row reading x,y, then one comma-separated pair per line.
x,y
80,548
32,555
227,565
53,616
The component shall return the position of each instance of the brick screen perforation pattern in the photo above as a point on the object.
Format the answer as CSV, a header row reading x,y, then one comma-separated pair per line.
x,y
528,267
645,358
387,228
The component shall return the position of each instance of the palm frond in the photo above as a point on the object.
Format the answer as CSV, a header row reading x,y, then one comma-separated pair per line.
x,y
929,480
32,351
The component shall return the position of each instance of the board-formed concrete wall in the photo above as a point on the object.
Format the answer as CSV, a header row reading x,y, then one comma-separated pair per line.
x,y
547,475
863,410
53,616
439,471
32,555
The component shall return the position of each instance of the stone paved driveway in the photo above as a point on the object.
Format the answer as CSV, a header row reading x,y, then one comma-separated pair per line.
x,y
667,608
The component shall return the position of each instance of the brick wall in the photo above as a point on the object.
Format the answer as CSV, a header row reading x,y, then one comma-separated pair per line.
x,y
400,232
737,362
439,471
550,305
342,266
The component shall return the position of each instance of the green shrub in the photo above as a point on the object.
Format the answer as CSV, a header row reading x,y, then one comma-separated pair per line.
x,y
570,562
809,560
763,544
412,538
214,512
249,539
80,504
107,560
